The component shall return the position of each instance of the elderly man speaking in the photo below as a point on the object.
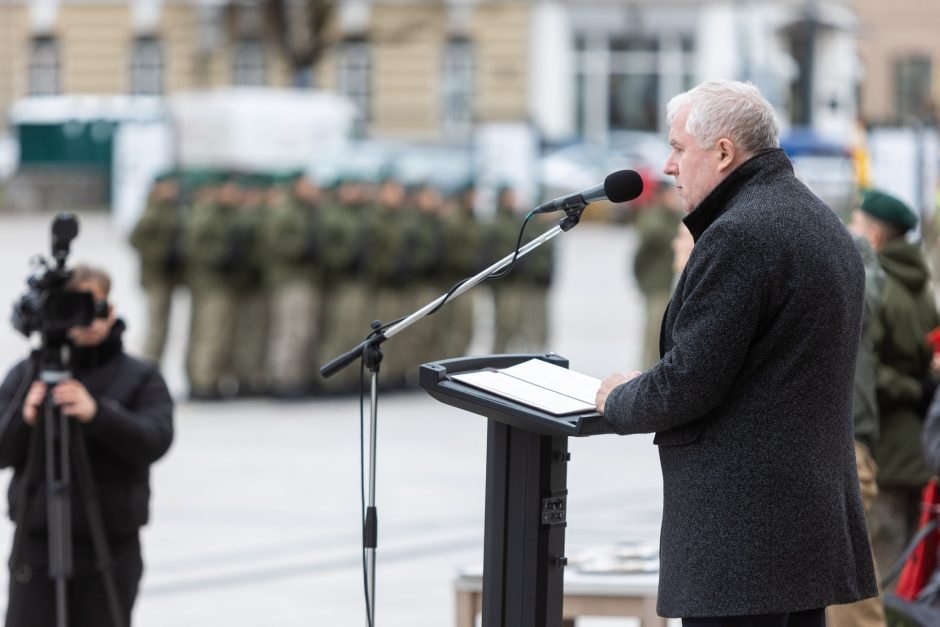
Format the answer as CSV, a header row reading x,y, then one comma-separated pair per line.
x,y
751,401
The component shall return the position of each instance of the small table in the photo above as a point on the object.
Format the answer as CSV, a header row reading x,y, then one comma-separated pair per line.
x,y
602,594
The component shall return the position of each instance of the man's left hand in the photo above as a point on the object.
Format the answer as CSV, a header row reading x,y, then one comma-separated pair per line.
x,y
74,400
608,385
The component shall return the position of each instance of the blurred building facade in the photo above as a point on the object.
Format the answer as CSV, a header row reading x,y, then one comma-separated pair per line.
x,y
418,70
900,53
433,69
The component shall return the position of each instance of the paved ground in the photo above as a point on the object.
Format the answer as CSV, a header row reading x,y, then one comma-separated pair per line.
x,y
256,507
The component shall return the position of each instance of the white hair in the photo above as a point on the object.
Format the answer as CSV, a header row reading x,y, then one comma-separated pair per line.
x,y
731,109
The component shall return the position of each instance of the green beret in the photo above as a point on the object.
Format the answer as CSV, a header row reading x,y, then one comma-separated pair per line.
x,y
255,180
168,175
286,177
194,179
887,208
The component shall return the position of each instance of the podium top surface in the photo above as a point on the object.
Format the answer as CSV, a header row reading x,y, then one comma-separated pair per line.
x,y
437,379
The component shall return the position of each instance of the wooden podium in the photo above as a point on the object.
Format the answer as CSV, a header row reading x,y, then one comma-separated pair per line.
x,y
526,491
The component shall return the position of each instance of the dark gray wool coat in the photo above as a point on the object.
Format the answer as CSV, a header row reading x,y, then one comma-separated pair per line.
x,y
752,406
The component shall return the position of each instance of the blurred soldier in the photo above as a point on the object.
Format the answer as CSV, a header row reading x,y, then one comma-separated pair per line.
x,y
346,313
249,355
157,237
652,263
291,246
521,298
535,280
428,255
461,237
211,260
903,357
501,232
399,248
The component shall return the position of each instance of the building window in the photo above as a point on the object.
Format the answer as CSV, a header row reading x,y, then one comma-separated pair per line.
x,y
624,82
147,67
457,87
44,67
354,75
248,64
912,87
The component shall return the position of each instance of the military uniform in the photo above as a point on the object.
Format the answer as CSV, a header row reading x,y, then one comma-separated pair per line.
x,y
212,258
652,268
252,310
521,298
908,313
346,313
157,238
902,373
461,259
291,244
401,254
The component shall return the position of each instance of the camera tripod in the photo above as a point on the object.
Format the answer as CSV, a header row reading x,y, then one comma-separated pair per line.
x,y
65,452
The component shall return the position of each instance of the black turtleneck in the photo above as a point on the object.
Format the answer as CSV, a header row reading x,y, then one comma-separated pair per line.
x,y
716,202
84,358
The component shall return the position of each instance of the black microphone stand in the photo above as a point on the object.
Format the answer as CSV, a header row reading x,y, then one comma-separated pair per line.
x,y
368,350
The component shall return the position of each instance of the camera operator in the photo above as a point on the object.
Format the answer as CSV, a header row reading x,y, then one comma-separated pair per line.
x,y
125,413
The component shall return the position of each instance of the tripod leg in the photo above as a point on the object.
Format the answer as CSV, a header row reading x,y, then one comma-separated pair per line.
x,y
89,490
58,483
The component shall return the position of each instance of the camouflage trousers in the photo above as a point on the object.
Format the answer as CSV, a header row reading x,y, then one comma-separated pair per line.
x,y
521,318
249,356
452,325
400,353
159,296
211,336
344,323
295,313
655,309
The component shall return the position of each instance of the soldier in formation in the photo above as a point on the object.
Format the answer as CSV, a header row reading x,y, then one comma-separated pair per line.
x,y
157,239
285,274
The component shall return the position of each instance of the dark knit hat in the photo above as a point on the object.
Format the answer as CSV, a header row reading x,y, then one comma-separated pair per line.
x,y
887,208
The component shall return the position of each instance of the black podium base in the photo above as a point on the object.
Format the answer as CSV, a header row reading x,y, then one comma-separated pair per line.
x,y
526,494
524,537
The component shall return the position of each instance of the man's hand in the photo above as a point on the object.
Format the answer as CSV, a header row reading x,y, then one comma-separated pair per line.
x,y
74,400
608,385
32,402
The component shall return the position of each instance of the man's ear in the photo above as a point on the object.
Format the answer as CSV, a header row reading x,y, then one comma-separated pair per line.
x,y
726,153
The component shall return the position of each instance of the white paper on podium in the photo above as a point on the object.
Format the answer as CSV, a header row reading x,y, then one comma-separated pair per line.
x,y
539,384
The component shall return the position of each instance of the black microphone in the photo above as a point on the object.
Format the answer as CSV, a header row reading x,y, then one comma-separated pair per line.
x,y
620,186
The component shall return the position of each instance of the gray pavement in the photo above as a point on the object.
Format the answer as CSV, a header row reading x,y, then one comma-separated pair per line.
x,y
256,507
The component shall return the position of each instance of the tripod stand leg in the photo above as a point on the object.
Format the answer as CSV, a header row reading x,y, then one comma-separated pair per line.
x,y
58,484
86,484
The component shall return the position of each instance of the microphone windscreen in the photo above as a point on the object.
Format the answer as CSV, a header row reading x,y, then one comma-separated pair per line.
x,y
623,185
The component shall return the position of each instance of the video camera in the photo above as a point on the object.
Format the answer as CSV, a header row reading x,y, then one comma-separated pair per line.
x,y
48,307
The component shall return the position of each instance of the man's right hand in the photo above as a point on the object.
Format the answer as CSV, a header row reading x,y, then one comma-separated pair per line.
x,y
34,398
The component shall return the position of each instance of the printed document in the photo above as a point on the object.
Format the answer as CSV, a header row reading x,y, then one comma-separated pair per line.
x,y
539,384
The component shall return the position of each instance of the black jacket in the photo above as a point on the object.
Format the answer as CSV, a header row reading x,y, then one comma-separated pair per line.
x,y
752,405
132,429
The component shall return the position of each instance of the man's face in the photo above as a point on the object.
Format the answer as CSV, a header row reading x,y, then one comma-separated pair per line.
x,y
695,169
863,226
96,332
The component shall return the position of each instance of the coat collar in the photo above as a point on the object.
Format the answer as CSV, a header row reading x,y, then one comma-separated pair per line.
x,y
716,202
88,357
